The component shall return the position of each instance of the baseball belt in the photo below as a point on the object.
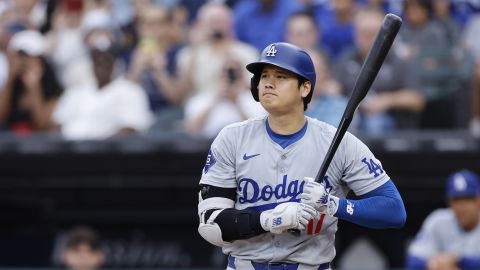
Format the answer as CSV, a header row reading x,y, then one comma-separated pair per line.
x,y
241,264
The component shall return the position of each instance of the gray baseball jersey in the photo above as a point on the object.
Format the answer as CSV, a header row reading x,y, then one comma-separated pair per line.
x,y
244,156
440,233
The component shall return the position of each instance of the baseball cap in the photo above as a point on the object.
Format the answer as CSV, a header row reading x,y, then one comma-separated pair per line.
x,y
96,20
463,183
29,41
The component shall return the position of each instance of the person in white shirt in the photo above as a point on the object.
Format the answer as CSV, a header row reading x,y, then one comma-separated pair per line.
x,y
212,43
109,108
207,113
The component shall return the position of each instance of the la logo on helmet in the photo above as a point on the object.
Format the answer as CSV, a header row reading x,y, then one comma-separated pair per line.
x,y
271,50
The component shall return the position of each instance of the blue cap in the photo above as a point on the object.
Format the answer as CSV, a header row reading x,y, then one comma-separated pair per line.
x,y
463,183
286,56
289,57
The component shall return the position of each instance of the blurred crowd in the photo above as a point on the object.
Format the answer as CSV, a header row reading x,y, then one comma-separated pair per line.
x,y
96,69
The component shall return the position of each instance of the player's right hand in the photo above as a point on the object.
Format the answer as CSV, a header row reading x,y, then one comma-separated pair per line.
x,y
289,215
316,195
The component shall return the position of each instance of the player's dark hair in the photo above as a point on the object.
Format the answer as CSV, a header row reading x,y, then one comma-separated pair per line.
x,y
82,235
301,81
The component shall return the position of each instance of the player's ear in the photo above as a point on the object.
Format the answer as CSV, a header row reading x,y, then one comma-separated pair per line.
x,y
306,88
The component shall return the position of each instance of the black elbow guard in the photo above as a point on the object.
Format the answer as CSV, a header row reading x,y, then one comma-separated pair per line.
x,y
239,224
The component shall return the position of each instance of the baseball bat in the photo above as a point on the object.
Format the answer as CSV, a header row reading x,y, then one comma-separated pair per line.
x,y
369,70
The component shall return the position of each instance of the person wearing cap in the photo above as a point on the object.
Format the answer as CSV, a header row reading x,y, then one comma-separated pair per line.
x,y
450,238
109,106
32,89
257,198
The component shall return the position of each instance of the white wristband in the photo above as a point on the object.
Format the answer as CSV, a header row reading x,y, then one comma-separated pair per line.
x,y
332,205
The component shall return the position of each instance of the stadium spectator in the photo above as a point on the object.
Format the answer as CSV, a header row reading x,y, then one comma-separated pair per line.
x,y
82,250
73,32
328,103
3,55
152,56
177,30
443,16
193,6
30,13
302,31
336,24
470,42
211,43
112,106
394,100
7,29
130,27
442,68
32,89
262,22
385,6
380,5
419,29
449,238
475,121
207,113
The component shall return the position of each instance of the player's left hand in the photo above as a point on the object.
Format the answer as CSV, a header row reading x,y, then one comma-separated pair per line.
x,y
316,195
289,215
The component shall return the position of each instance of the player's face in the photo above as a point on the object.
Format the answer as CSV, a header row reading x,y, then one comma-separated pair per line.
x,y
279,91
467,211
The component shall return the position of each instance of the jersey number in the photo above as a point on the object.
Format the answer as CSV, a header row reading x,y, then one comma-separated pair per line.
x,y
318,226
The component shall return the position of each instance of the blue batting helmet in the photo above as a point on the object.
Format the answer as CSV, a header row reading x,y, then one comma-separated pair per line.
x,y
286,56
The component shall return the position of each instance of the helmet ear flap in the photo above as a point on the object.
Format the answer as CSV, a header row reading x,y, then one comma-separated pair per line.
x,y
254,86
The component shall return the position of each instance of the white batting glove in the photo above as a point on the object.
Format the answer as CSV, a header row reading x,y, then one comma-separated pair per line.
x,y
290,215
316,195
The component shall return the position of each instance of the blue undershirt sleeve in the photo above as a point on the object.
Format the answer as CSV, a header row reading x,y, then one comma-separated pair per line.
x,y
380,208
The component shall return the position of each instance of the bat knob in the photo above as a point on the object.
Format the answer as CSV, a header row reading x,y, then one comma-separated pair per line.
x,y
392,22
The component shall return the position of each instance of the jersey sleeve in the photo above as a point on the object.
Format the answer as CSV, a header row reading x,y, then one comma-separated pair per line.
x,y
362,171
425,243
219,169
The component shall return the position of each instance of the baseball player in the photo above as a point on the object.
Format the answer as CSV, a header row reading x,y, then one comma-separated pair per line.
x,y
450,238
256,185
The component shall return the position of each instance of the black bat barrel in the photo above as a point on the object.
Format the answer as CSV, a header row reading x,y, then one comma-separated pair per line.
x,y
379,50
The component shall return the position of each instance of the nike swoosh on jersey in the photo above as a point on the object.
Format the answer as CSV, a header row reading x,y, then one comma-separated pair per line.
x,y
245,157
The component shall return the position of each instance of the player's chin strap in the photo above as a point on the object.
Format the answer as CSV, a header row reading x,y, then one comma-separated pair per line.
x,y
208,210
